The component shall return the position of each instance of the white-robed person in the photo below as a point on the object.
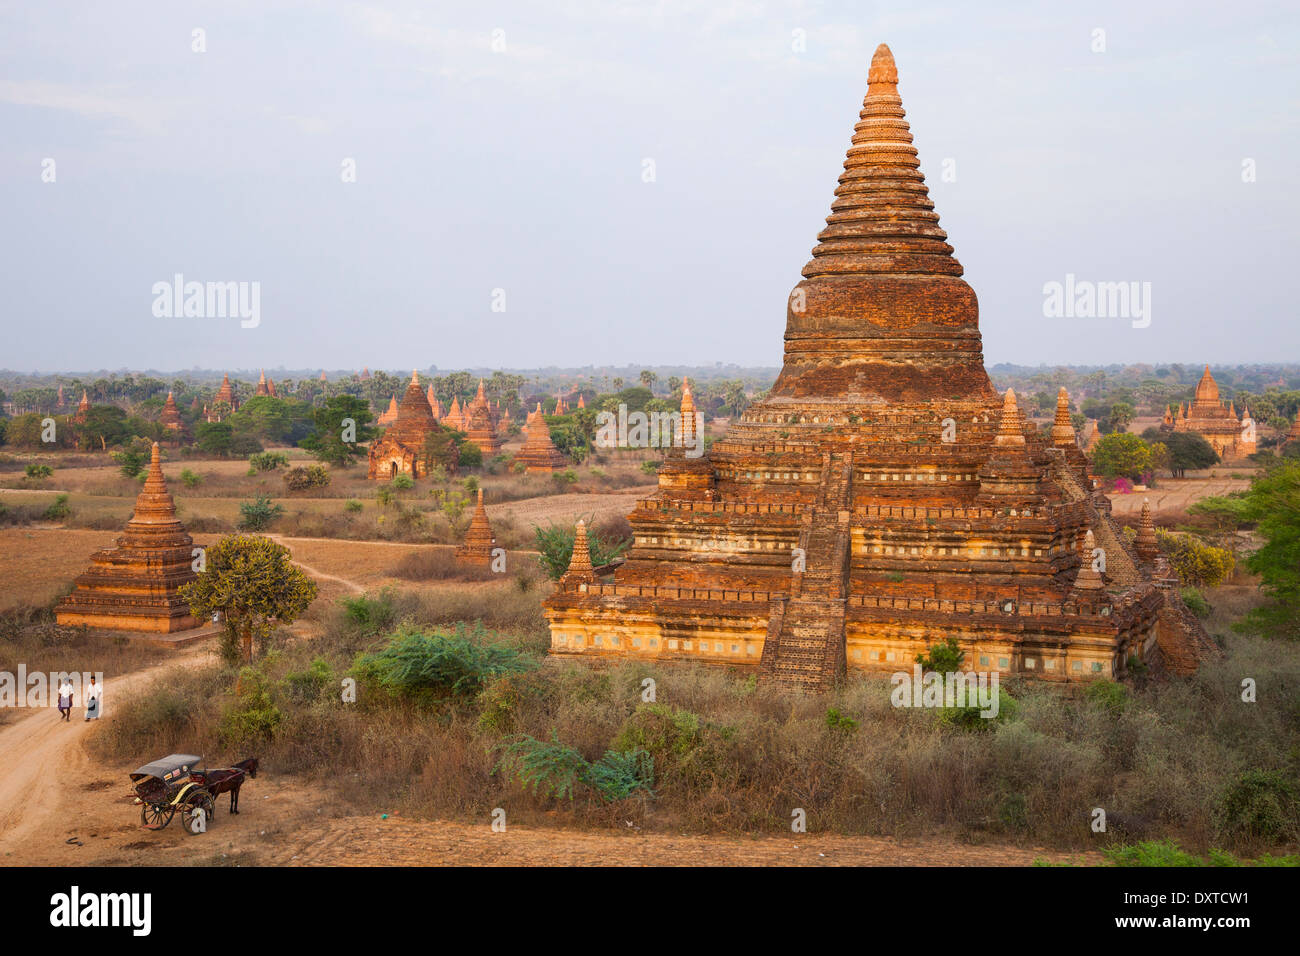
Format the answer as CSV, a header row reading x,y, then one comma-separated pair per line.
x,y
65,698
94,700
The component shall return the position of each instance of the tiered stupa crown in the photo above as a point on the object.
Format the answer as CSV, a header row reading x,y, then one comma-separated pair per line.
x,y
688,414
580,569
1207,389
882,314
1146,544
1063,428
1011,429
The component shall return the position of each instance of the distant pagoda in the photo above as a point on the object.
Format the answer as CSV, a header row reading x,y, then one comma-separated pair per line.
x,y
479,542
170,418
481,424
455,417
1215,421
883,497
133,587
539,454
400,449
225,396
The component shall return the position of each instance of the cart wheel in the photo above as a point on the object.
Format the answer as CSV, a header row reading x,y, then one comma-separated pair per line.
x,y
198,815
155,816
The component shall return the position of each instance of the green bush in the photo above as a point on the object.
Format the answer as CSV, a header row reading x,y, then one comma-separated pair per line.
x,y
303,478
555,770
189,479
971,718
402,482
1108,695
1150,853
252,718
352,506
38,471
308,684
369,615
679,742
419,664
943,658
1263,804
840,722
258,514
1196,602
58,510
267,461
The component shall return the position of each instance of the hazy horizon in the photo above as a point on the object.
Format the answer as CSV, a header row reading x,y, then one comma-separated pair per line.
x,y
514,161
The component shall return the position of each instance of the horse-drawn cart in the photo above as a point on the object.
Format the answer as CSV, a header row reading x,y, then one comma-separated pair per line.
x,y
173,784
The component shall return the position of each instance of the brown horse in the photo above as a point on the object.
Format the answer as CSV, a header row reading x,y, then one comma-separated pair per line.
x,y
230,780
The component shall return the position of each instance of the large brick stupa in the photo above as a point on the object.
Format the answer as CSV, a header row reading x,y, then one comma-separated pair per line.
x,y
882,497
133,587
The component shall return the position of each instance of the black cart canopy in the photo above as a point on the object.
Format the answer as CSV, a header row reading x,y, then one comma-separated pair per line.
x,y
169,767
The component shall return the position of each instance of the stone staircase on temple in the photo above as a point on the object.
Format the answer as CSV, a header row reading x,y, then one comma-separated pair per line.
x,y
805,641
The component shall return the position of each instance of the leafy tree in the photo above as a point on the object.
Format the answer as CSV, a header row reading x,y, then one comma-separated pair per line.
x,y
104,425
1273,503
253,584
1188,451
333,440
470,455
441,449
1121,455
1121,414
214,438
1198,564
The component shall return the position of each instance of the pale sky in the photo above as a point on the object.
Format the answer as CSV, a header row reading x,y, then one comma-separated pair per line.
x,y
522,169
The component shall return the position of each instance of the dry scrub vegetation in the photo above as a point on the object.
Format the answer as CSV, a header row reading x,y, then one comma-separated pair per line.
x,y
1185,759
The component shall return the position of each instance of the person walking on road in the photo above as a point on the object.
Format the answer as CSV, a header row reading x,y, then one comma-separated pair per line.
x,y
94,700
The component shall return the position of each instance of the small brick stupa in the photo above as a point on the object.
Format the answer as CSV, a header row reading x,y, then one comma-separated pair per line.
x,y
455,417
883,497
539,454
481,424
82,408
478,543
400,450
170,418
133,587
390,416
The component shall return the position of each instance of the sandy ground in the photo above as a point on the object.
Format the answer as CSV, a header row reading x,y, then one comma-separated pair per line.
x,y
559,508
1176,494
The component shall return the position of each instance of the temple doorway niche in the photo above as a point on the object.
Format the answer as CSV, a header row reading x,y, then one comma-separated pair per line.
x,y
392,469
